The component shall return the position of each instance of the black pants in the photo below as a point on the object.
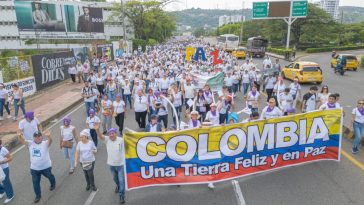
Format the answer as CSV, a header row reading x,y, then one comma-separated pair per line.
x,y
93,136
269,93
163,118
89,176
73,77
140,118
100,88
222,118
119,120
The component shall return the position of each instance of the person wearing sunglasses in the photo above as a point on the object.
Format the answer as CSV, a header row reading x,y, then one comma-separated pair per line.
x,y
40,161
271,111
357,125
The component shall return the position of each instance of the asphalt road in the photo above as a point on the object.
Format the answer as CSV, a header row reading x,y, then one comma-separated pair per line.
x,y
326,183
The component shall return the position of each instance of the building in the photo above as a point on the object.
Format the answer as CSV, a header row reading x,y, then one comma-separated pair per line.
x,y
331,7
13,38
229,19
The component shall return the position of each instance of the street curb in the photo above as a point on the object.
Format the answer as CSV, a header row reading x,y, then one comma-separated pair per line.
x,y
282,57
13,141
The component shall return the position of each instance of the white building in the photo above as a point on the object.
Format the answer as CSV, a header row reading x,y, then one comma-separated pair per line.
x,y
331,7
10,38
229,19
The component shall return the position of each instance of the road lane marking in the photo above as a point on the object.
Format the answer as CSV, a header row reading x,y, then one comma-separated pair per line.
x,y
353,160
239,195
91,197
50,127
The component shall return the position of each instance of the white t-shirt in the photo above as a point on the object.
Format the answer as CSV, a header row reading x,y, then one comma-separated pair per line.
x,y
86,151
92,121
3,153
3,94
114,151
214,119
310,102
294,88
189,91
39,155
29,128
140,103
253,99
88,91
163,110
67,133
358,116
276,112
327,107
119,106
286,102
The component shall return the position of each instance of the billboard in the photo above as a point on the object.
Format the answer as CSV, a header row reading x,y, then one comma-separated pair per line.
x,y
50,69
58,20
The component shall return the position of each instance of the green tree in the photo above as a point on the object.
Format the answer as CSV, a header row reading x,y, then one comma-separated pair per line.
x,y
148,19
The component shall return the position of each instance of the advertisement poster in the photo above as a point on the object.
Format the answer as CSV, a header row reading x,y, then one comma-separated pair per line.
x,y
26,84
81,54
50,69
105,51
54,20
220,153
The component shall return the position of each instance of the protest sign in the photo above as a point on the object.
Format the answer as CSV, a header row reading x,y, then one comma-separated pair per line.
x,y
220,153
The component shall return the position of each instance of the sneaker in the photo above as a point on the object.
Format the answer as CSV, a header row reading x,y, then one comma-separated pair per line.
x,y
354,150
122,200
71,171
52,188
36,200
211,186
1,118
94,188
2,195
14,118
9,117
88,187
8,200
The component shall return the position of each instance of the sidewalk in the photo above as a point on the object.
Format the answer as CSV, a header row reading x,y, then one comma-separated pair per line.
x,y
298,56
47,105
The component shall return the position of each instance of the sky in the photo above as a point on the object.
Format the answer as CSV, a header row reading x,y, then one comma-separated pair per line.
x,y
235,4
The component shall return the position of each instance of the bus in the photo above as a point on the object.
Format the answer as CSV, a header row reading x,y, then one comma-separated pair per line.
x,y
228,41
256,46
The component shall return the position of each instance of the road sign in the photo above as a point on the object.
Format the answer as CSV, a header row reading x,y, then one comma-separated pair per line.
x,y
260,9
299,8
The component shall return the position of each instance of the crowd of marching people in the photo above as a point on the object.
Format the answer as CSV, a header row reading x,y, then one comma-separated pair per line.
x,y
153,87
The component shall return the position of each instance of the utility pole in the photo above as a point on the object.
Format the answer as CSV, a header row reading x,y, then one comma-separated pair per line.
x,y
124,27
242,24
289,21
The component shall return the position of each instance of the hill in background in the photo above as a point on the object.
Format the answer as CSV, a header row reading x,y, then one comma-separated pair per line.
x,y
209,18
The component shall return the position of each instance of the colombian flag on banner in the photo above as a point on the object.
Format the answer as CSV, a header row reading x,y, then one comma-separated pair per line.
x,y
211,154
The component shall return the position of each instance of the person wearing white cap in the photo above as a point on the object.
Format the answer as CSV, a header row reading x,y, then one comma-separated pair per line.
x,y
85,153
194,122
213,115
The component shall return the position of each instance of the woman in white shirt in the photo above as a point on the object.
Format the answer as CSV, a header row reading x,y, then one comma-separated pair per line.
x,y
357,123
194,122
100,82
271,111
213,115
253,99
200,103
5,186
323,96
119,112
72,70
246,81
127,92
68,140
3,101
85,153
177,101
91,121
106,110
111,89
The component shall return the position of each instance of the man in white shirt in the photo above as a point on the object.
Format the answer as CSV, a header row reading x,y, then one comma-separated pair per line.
x,y
89,96
229,80
163,112
40,162
331,104
115,153
188,92
310,100
29,125
140,108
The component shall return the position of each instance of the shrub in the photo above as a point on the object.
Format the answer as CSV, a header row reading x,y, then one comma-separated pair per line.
x,y
362,61
279,51
152,42
139,42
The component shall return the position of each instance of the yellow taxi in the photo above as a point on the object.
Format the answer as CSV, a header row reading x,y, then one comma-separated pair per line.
x,y
307,72
239,53
351,61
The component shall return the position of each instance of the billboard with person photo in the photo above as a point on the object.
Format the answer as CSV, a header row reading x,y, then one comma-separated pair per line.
x,y
84,19
39,16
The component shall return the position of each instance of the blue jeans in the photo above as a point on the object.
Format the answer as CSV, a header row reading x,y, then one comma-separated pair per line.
x,y
89,105
246,87
358,133
178,110
118,177
127,98
6,186
16,106
69,153
111,95
37,174
2,106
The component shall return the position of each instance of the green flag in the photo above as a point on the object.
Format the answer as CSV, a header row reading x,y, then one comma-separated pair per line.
x,y
216,82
